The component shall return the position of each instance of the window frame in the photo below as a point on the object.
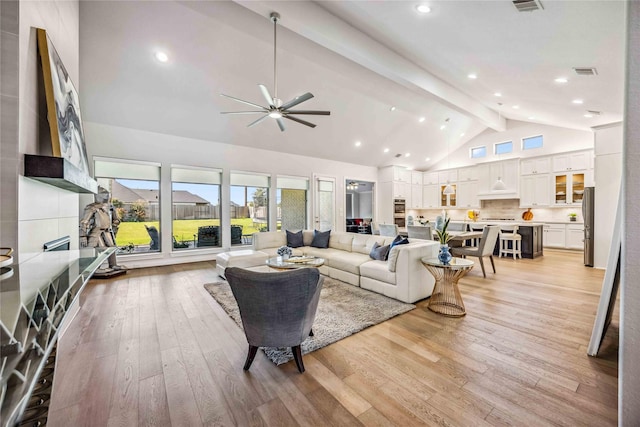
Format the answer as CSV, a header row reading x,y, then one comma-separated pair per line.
x,y
524,139
472,149
499,144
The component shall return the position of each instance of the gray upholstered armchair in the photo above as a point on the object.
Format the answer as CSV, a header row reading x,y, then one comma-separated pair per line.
x,y
277,309
420,232
485,248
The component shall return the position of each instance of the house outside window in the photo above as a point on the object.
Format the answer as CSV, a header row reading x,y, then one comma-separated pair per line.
x,y
195,208
135,195
249,206
292,203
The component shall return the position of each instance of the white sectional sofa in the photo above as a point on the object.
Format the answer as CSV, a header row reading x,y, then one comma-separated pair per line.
x,y
347,259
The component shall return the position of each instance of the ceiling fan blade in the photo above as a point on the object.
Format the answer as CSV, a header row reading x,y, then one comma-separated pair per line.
x,y
244,102
258,121
297,100
304,122
267,95
242,112
315,112
280,124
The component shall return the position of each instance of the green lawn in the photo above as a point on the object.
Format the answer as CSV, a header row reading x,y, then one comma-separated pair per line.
x,y
183,230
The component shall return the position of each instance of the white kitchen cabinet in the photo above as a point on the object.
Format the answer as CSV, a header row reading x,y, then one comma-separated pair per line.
x,y
416,178
431,196
448,200
568,188
575,236
401,174
402,190
535,191
572,161
416,197
554,236
534,166
429,178
448,176
468,174
467,193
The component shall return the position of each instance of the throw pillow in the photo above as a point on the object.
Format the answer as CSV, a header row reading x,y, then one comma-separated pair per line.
x,y
379,253
294,240
320,239
399,240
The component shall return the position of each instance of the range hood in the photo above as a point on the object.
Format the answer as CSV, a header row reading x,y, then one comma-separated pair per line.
x,y
499,195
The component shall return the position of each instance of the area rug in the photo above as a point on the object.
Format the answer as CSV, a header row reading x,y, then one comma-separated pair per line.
x,y
343,310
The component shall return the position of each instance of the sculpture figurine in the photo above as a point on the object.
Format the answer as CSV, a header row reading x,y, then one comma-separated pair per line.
x,y
98,228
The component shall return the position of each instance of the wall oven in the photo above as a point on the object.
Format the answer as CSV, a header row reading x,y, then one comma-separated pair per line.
x,y
399,206
399,221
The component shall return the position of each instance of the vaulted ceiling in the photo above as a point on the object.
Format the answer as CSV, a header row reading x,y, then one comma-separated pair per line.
x,y
359,59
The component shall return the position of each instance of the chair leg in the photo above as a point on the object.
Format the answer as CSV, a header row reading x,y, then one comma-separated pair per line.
x,y
482,265
297,356
250,356
492,264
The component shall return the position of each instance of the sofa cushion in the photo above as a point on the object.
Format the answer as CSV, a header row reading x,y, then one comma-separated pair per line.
x,y
269,240
348,261
342,241
379,253
399,240
294,240
321,239
327,254
363,243
378,270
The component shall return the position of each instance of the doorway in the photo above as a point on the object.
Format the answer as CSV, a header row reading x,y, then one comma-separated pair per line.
x,y
359,205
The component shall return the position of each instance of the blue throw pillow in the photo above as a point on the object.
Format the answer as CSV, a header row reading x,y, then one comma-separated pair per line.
x,y
379,253
294,240
320,239
399,240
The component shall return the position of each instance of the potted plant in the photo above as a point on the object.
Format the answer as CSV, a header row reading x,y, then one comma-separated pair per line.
x,y
443,237
573,216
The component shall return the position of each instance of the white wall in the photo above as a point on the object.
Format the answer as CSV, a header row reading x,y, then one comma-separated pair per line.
x,y
44,212
608,175
556,140
132,144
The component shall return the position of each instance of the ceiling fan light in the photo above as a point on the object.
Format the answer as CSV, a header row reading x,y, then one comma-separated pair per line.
x,y
275,115
499,185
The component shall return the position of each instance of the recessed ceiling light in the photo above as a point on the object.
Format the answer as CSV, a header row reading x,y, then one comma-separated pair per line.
x,y
578,101
472,76
443,127
407,154
515,107
393,108
427,159
161,56
498,94
421,119
561,80
423,8
358,143
588,115
531,118
462,134
386,150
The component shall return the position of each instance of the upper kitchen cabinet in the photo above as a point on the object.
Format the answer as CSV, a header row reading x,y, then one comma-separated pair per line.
x,y
416,197
467,192
569,187
430,178
448,200
535,190
394,173
448,176
535,166
507,171
572,161
468,174
402,190
416,178
431,196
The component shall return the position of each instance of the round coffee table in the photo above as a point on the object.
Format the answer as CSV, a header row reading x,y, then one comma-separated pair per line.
x,y
446,298
279,263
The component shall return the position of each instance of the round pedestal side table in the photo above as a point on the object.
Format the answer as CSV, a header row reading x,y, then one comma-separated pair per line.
x,y
446,298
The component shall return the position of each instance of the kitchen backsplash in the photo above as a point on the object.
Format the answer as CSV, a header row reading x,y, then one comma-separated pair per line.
x,y
503,209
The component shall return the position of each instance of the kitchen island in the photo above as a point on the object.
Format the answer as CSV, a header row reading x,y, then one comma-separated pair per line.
x,y
531,233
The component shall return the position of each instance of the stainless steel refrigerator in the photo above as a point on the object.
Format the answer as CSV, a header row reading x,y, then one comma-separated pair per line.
x,y
588,203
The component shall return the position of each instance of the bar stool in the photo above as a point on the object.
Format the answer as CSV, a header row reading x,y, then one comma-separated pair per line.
x,y
476,227
509,234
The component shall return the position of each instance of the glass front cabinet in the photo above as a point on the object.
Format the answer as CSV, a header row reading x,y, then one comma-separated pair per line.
x,y
448,200
569,188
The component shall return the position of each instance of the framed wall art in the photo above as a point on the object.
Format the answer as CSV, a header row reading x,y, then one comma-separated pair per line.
x,y
63,107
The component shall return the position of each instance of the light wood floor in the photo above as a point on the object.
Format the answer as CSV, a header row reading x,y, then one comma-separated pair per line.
x,y
153,348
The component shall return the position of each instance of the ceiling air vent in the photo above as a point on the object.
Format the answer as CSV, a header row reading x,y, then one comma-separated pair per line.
x,y
398,155
594,113
527,5
585,71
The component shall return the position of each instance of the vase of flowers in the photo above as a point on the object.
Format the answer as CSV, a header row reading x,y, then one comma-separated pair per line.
x,y
444,255
285,252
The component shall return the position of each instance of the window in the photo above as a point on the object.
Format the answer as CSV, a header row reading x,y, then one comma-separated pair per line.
x,y
532,142
291,200
478,152
249,206
195,208
135,195
503,147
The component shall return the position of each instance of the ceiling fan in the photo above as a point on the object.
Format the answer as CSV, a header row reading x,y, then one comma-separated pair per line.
x,y
276,109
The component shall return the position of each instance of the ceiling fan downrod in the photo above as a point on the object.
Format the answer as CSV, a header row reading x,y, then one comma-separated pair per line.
x,y
275,17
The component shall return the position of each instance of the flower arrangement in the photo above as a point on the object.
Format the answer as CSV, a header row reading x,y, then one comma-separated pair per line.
x,y
443,236
285,251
